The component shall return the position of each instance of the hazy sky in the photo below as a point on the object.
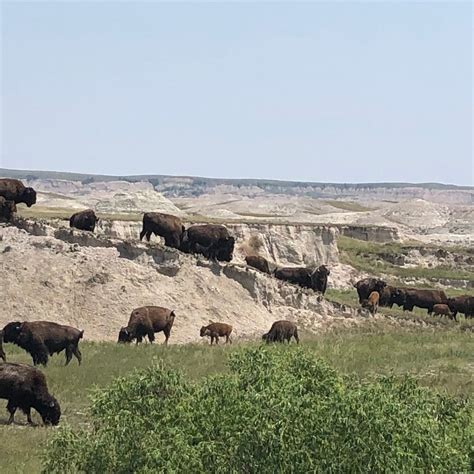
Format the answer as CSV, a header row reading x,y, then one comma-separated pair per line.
x,y
345,92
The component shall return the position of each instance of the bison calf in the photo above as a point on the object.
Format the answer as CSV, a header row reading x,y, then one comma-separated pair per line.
x,y
43,338
260,263
443,310
146,321
216,330
282,331
373,302
167,226
25,387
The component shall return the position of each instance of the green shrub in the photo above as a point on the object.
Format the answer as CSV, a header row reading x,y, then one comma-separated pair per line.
x,y
279,409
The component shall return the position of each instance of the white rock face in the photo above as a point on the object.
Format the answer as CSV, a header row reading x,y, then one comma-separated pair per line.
x,y
94,283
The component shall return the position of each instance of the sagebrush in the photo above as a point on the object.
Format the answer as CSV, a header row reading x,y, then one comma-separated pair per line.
x,y
276,410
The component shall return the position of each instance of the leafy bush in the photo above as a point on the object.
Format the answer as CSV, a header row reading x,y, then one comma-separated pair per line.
x,y
277,410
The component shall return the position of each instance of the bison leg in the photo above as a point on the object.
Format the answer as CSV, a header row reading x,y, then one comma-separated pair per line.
x,y
148,236
139,339
77,353
142,233
27,412
227,339
11,407
167,333
296,337
151,336
217,340
68,354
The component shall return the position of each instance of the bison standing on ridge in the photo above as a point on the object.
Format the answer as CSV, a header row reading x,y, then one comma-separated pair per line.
x,y
282,331
43,338
84,220
305,277
25,387
210,240
260,263
367,285
216,330
146,321
15,190
7,209
462,304
167,226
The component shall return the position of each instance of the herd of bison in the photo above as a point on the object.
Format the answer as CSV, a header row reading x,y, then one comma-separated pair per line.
x,y
25,387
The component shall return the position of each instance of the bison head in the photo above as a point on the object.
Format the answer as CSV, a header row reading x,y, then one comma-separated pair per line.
x,y
125,335
12,331
204,331
398,296
265,337
50,411
379,285
29,196
225,249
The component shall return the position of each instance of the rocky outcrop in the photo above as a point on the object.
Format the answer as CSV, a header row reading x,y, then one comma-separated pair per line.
x,y
370,233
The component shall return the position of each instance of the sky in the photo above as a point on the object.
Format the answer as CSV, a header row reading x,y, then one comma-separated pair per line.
x,y
315,91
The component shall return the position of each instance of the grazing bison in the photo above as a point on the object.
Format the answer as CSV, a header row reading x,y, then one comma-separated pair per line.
x,y
15,190
25,387
216,330
305,277
281,331
7,209
260,263
84,220
462,304
146,321
43,338
373,302
422,299
443,310
367,285
210,240
167,226
2,352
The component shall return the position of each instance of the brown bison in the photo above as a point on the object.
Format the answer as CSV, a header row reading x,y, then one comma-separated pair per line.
x,y
260,263
211,240
442,310
43,338
25,387
84,220
146,321
15,190
462,304
425,299
221,250
373,302
2,352
367,285
7,209
167,226
305,277
281,331
391,295
216,330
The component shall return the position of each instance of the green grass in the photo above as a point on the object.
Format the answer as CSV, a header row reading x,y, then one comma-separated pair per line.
x,y
441,359
367,257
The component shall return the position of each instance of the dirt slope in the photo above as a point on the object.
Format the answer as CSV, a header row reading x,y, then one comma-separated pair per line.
x,y
95,282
